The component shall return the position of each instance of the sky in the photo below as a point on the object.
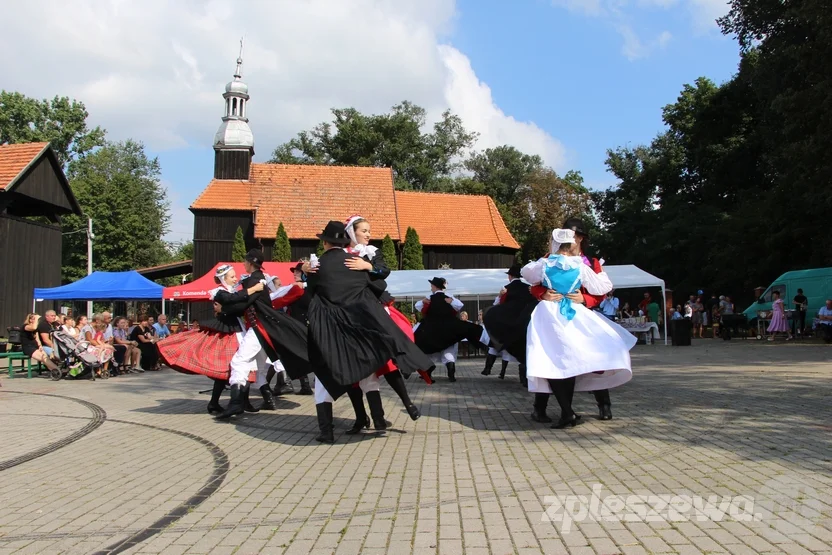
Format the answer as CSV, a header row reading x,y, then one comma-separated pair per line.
x,y
565,79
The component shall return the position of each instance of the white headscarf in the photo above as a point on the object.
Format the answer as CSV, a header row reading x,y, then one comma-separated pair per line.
x,y
363,250
561,236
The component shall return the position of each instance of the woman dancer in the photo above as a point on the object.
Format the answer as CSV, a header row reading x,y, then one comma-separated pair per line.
x,y
368,259
570,347
779,322
209,349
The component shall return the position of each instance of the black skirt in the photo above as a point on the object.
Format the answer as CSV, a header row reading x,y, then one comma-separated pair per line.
x,y
283,338
506,325
434,335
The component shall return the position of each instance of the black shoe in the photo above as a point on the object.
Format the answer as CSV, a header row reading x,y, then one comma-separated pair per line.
x,y
246,401
541,417
377,411
489,363
567,422
215,408
305,389
235,406
359,425
605,412
268,398
413,411
327,434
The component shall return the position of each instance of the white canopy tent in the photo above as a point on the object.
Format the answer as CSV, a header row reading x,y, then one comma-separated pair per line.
x,y
488,282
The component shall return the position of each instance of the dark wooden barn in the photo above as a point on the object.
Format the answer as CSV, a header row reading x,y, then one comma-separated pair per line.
x,y
34,194
461,231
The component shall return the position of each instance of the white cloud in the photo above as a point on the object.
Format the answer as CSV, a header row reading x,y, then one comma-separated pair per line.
x,y
155,70
622,13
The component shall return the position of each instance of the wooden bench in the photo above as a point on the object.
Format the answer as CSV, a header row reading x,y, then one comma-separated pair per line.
x,y
17,355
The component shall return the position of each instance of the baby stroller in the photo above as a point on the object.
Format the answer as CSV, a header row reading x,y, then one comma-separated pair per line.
x,y
76,362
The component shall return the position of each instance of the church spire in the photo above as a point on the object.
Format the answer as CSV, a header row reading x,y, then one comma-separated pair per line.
x,y
234,141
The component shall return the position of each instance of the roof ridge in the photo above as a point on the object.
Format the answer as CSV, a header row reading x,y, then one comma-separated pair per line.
x,y
319,166
444,193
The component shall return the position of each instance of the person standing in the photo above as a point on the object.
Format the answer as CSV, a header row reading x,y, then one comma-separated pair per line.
x,y
779,322
507,319
609,306
800,305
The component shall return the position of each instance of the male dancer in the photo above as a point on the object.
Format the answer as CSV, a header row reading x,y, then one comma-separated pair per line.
x,y
514,302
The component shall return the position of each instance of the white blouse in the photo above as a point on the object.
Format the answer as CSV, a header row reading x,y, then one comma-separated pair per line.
x,y
595,284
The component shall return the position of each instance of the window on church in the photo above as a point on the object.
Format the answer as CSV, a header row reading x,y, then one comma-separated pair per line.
x,y
234,107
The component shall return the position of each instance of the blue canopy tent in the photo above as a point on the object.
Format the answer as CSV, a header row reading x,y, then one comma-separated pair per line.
x,y
105,286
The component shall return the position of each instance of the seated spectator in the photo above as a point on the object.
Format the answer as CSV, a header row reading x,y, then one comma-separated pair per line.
x,y
69,327
30,342
195,325
825,321
93,334
146,342
45,329
161,327
676,314
127,354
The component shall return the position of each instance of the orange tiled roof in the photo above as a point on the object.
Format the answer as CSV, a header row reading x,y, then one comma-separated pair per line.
x,y
14,159
475,218
305,198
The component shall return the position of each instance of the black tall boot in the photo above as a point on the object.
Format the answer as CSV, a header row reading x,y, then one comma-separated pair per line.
x,y
361,419
489,363
503,370
246,401
305,389
451,371
235,406
269,375
216,393
563,391
541,401
602,397
377,410
522,370
280,384
396,381
325,426
268,398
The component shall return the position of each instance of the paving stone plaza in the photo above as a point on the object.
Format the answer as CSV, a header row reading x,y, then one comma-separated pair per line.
x,y
722,447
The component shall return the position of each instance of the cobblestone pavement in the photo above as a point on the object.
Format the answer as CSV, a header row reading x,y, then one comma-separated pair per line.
x,y
135,465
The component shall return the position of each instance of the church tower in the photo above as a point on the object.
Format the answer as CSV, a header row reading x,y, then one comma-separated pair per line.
x,y
234,142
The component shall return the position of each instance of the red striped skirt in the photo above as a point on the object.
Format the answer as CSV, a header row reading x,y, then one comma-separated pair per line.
x,y
205,352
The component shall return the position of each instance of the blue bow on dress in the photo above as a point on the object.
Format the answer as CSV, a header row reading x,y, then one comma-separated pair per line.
x,y
566,308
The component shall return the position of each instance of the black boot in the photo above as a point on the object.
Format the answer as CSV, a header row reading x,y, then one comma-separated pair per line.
x,y
269,375
325,423
305,389
396,381
377,410
361,419
246,401
541,401
268,398
602,397
216,393
451,371
522,371
489,363
503,370
563,391
235,406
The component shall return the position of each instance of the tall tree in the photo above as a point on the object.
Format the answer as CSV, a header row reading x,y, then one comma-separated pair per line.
x,y
238,251
61,122
545,204
282,250
320,250
388,251
118,187
394,140
412,256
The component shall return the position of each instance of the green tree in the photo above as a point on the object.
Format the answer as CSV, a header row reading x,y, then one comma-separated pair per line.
x,y
412,256
388,251
118,187
320,250
239,251
282,250
182,251
393,140
60,121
